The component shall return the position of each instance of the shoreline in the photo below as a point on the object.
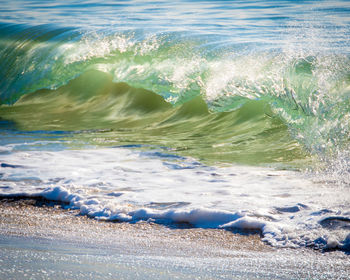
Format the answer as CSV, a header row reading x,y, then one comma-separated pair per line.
x,y
32,231
44,219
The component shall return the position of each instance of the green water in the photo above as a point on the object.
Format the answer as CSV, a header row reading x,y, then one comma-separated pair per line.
x,y
109,114
197,94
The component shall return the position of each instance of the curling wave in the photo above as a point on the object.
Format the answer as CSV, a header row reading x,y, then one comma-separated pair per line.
x,y
288,99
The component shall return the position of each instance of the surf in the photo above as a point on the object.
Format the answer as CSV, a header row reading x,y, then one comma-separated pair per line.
x,y
293,104
117,114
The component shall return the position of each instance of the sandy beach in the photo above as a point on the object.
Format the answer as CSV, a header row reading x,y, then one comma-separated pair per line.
x,y
43,241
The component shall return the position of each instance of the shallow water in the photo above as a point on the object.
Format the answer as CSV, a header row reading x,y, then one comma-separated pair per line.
x,y
212,113
40,258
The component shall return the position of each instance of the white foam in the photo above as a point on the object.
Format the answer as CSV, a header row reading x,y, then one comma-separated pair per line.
x,y
125,185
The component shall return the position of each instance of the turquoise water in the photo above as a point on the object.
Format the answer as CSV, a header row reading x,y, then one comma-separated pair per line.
x,y
191,85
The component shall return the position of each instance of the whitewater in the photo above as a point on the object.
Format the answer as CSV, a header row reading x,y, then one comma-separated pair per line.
x,y
214,114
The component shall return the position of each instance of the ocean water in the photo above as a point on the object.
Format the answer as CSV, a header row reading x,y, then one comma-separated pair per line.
x,y
214,114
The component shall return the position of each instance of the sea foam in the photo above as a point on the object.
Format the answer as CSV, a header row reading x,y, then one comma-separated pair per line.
x,y
119,184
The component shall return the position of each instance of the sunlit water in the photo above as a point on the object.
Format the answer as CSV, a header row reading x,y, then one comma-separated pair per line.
x,y
214,114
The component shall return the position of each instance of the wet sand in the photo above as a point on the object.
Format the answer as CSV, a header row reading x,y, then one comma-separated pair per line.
x,y
41,240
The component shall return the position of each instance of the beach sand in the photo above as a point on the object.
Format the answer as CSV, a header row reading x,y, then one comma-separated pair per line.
x,y
41,240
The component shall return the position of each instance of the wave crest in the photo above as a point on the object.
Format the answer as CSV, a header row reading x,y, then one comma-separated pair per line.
x,y
307,90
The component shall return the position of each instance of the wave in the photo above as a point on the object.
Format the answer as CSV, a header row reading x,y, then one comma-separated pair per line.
x,y
117,114
192,102
178,85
